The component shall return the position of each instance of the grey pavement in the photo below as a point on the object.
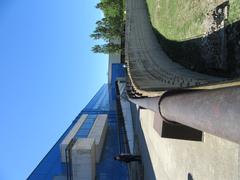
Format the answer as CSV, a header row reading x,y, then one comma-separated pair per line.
x,y
213,158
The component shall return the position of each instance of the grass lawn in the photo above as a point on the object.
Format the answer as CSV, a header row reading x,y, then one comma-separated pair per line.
x,y
182,19
234,13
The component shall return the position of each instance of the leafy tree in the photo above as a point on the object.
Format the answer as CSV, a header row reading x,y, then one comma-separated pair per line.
x,y
110,27
109,7
107,48
107,29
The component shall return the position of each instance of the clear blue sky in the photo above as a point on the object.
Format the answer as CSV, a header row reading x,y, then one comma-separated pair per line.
x,y
47,75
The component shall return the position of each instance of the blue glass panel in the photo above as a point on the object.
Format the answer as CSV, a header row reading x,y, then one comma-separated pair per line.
x,y
91,116
86,126
51,164
108,168
102,103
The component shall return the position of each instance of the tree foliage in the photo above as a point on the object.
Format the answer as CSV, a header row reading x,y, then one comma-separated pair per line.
x,y
107,48
107,28
110,27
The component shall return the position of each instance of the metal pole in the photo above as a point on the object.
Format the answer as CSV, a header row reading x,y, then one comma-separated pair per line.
x,y
214,111
151,103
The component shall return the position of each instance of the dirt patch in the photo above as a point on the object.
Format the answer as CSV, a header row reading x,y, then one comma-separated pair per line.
x,y
220,46
213,44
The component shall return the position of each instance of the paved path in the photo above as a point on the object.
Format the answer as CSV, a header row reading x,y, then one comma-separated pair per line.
x,y
149,68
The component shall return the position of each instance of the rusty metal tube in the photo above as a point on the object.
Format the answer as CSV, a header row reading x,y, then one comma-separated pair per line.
x,y
214,111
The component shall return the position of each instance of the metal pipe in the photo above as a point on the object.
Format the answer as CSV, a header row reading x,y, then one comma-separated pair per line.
x,y
151,103
214,111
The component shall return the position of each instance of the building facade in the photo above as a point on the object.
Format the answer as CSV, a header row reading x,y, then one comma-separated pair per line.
x,y
87,148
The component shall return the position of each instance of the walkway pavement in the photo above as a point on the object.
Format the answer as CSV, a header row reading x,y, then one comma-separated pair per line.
x,y
213,158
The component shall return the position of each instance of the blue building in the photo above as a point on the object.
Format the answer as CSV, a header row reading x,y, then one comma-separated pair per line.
x,y
87,148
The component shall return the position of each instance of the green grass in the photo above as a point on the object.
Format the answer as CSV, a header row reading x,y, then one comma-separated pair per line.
x,y
234,11
183,19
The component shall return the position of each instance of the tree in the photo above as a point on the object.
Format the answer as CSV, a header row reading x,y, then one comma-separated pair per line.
x,y
107,28
110,27
107,48
109,7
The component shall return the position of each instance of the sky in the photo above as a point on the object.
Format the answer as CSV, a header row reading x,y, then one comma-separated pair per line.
x,y
47,75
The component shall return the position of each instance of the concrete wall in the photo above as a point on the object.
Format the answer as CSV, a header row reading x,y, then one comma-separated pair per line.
x,y
98,133
127,115
144,170
70,135
212,159
86,152
84,159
